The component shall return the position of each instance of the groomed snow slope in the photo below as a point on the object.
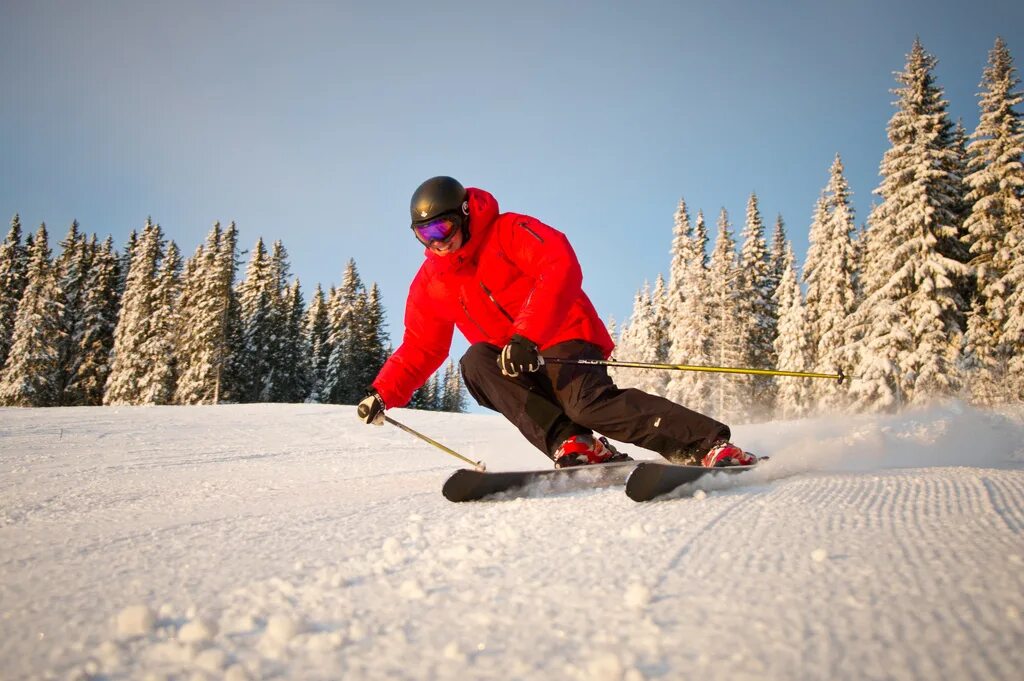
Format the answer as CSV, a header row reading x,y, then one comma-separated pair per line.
x,y
292,541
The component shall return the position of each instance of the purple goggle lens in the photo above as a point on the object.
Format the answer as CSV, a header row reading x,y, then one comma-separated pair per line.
x,y
440,229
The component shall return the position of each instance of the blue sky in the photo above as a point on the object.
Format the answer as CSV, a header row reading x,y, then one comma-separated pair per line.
x,y
313,122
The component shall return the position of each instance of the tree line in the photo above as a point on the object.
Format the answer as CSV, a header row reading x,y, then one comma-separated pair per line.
x,y
924,301
97,326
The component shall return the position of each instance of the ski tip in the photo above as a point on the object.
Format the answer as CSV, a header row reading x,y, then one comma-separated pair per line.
x,y
460,485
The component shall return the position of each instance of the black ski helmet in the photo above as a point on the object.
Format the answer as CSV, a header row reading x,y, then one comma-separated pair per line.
x,y
438,196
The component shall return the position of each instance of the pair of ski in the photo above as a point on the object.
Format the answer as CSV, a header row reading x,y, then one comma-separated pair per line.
x,y
644,480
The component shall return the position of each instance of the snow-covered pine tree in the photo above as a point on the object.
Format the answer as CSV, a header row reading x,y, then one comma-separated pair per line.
x,y
725,333
230,310
317,328
420,399
293,369
655,381
777,260
281,374
641,341
756,315
793,343
72,267
1013,331
190,347
829,273
995,227
961,169
99,317
434,394
453,397
13,265
777,254
912,315
257,296
341,384
158,384
130,364
689,332
371,350
429,396
124,262
31,376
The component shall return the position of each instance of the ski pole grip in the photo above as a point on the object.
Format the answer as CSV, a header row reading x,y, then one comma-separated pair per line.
x,y
363,411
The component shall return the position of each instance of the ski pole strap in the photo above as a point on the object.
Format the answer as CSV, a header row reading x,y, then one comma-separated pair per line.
x,y
840,376
479,465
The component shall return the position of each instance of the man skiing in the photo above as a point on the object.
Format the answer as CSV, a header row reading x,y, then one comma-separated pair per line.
x,y
512,286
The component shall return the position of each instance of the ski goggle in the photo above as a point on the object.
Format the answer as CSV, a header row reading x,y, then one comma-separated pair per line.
x,y
438,230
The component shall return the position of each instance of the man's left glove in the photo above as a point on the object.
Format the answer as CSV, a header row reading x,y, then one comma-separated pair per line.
x,y
519,356
371,410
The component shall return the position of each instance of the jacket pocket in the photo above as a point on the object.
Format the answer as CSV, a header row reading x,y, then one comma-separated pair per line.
x,y
490,296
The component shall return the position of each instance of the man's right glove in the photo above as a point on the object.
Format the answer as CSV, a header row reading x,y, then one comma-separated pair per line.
x,y
371,410
519,356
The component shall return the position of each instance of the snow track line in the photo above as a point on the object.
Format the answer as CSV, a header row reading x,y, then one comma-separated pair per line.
x,y
678,556
1000,497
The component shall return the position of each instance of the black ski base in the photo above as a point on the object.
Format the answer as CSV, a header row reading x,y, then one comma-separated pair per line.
x,y
471,485
650,479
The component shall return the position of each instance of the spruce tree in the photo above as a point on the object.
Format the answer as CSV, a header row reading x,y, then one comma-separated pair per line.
x,y
641,341
371,336
293,380
756,314
99,317
911,318
793,344
995,227
829,273
317,328
258,309
229,326
342,383
1013,331
190,347
130,365
454,398
13,267
124,262
777,259
72,267
434,394
158,383
689,330
31,376
724,350
281,368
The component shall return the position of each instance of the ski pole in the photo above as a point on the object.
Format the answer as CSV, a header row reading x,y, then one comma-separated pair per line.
x,y
479,465
840,376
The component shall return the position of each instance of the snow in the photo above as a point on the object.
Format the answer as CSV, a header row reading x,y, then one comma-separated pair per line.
x,y
292,541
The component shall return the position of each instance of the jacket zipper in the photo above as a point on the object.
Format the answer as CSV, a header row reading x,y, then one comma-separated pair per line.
x,y
462,301
496,303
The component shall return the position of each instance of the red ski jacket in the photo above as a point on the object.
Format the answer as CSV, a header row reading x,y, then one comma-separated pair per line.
x,y
515,275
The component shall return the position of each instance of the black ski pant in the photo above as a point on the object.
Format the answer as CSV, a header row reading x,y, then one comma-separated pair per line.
x,y
561,400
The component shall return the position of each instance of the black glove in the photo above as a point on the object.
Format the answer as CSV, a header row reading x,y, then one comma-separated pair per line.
x,y
371,410
519,356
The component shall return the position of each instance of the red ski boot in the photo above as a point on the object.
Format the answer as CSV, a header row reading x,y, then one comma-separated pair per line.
x,y
724,453
583,450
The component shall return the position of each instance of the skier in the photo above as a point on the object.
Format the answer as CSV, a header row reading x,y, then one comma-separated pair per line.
x,y
512,286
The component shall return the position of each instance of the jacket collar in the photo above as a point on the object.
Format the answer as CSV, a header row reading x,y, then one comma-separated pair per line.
x,y
483,211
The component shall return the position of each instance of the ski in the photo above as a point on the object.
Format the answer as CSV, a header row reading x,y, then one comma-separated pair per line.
x,y
650,479
471,485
